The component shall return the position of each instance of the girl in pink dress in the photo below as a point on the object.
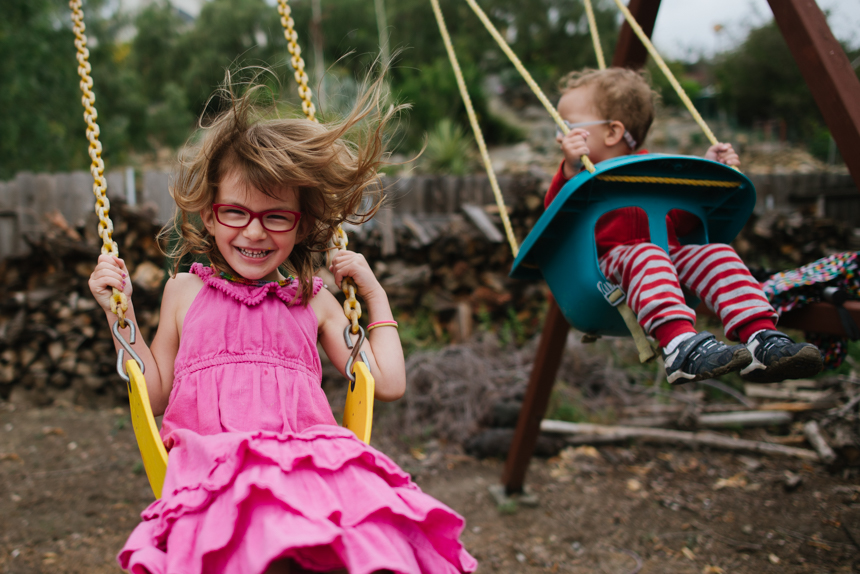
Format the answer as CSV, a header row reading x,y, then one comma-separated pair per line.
x,y
260,478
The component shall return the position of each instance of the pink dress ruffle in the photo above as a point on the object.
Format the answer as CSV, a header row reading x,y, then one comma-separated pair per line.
x,y
254,476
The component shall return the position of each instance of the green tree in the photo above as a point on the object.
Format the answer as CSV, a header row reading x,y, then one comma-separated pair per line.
x,y
150,89
760,80
230,34
40,110
155,52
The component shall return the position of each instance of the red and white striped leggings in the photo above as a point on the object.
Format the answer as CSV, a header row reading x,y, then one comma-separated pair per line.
x,y
715,273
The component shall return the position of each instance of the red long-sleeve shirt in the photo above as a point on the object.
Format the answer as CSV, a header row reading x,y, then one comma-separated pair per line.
x,y
628,225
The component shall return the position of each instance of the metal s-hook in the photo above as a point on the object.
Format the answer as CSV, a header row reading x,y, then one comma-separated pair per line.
x,y
356,352
126,347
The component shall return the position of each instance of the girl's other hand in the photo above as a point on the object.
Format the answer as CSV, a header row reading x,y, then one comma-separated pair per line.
x,y
723,153
351,264
573,146
110,273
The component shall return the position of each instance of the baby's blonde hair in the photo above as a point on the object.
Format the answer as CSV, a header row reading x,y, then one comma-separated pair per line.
x,y
620,94
333,168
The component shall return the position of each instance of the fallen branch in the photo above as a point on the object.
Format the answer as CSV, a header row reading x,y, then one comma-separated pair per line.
x,y
745,419
593,433
846,408
760,391
795,407
724,388
816,439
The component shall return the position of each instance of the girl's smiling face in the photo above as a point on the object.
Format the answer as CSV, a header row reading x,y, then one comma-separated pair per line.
x,y
252,251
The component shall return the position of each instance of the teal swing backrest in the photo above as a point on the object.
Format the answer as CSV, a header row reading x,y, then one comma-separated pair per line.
x,y
561,247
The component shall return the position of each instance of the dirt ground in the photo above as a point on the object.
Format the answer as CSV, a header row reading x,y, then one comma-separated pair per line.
x,y
72,488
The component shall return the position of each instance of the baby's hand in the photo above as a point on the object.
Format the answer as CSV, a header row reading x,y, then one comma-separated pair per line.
x,y
723,153
109,273
351,264
574,146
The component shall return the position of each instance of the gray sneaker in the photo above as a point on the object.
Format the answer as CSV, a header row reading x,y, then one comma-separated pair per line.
x,y
776,358
703,357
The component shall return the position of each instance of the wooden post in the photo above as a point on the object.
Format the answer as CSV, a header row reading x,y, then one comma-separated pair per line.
x,y
827,72
547,361
822,318
629,51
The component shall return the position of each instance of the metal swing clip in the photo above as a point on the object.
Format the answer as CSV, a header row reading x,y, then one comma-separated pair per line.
x,y
126,347
356,352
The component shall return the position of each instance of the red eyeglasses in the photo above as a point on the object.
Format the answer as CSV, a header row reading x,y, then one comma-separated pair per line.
x,y
274,220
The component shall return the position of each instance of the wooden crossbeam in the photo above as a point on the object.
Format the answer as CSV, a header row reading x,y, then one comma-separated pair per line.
x,y
827,72
629,51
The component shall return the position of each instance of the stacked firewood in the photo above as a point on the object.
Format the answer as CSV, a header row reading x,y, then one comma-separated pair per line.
x,y
453,267
776,241
54,340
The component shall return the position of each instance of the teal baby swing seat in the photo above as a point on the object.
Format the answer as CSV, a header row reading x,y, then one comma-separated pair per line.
x,y
561,247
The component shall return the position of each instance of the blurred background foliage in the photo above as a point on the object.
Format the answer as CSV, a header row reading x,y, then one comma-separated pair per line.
x,y
155,70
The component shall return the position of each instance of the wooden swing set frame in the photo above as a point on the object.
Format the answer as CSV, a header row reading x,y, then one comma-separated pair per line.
x,y
836,90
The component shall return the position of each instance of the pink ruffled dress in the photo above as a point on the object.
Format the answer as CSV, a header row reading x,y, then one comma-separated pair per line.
x,y
258,469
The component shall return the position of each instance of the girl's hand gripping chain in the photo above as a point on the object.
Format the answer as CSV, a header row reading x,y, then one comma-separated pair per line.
x,y
351,264
382,347
111,272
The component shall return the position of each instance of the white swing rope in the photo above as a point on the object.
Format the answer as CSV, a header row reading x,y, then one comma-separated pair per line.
x,y
476,128
643,37
526,76
595,38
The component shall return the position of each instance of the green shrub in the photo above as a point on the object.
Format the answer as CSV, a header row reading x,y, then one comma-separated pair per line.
x,y
449,150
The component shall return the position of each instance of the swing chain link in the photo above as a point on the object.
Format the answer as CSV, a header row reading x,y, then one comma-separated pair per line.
x,y
119,301
351,307
296,60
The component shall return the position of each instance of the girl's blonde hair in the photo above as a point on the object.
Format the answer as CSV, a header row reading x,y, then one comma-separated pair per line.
x,y
619,94
332,167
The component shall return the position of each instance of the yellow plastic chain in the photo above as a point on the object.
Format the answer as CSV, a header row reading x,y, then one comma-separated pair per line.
x,y
351,307
119,302
526,76
476,128
634,25
595,38
296,60
668,180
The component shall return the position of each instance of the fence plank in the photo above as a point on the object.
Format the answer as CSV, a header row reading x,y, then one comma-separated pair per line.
x,y
156,191
10,237
25,200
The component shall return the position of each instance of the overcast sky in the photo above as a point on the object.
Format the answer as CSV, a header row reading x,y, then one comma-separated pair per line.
x,y
685,28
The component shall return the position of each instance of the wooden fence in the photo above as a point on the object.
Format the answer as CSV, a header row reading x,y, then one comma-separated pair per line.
x,y
26,200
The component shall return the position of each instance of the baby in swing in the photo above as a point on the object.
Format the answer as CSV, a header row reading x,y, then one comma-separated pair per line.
x,y
260,477
609,113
